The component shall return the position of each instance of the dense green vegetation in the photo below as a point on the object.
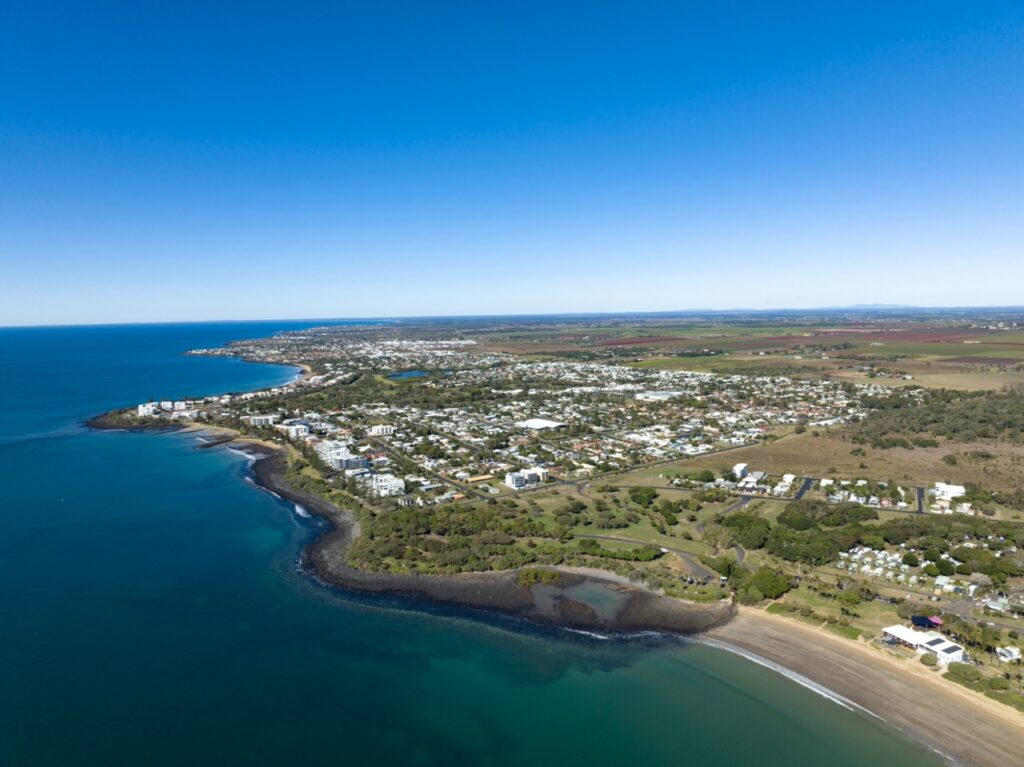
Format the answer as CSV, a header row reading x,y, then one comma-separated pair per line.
x,y
814,532
1005,689
750,587
751,531
639,554
901,421
984,500
450,538
805,515
642,496
453,538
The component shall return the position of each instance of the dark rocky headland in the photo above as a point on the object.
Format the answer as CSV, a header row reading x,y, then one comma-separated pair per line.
x,y
558,597
580,600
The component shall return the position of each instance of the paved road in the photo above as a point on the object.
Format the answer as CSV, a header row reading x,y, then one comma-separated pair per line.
x,y
965,609
808,483
689,557
609,477
739,503
439,477
582,487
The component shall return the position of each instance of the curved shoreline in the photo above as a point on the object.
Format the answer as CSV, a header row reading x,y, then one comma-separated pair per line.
x,y
108,421
563,602
959,724
911,700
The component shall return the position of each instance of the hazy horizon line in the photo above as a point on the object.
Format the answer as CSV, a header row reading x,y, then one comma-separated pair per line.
x,y
863,308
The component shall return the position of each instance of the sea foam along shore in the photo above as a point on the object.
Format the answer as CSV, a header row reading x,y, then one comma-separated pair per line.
x,y
962,725
956,722
576,599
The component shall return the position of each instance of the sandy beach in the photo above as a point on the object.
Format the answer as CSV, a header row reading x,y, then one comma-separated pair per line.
x,y
958,722
955,721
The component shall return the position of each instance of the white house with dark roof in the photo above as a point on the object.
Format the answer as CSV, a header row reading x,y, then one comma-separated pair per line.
x,y
946,651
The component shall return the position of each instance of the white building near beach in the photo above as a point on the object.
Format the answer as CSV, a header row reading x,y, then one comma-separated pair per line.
x,y
293,430
922,642
260,420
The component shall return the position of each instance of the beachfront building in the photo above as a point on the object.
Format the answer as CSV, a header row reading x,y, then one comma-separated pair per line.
x,y
147,409
260,420
294,430
922,642
338,455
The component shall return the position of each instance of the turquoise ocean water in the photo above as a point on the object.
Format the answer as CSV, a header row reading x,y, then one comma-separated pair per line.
x,y
152,614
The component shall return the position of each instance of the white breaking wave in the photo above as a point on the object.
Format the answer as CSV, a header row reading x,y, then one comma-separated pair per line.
x,y
250,458
800,679
623,637
302,512
589,634
813,686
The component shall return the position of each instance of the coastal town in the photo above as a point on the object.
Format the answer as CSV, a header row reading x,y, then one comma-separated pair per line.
x,y
636,470
571,419
512,384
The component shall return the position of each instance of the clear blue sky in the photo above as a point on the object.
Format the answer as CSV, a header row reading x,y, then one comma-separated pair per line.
x,y
180,161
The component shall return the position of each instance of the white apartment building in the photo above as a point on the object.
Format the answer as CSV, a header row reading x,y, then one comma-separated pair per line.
x,y
294,430
260,420
518,480
386,485
339,456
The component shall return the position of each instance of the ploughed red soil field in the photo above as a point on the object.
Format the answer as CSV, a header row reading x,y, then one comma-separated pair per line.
x,y
982,360
891,335
640,340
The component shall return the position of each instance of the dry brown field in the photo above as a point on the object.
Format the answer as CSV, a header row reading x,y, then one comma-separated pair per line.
x,y
828,455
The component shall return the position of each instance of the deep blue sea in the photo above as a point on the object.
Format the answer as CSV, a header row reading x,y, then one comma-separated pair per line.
x,y
151,613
